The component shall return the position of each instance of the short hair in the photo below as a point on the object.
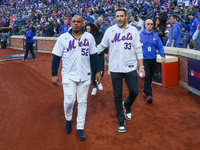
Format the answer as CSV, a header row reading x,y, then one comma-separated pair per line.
x,y
121,9
100,18
77,16
174,16
148,20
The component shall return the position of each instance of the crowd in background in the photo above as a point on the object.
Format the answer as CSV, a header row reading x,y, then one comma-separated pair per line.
x,y
51,18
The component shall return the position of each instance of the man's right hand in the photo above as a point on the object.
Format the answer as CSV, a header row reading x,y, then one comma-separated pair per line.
x,y
55,81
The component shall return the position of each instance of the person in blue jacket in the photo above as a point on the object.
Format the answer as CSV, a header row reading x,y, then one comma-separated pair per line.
x,y
64,28
191,27
175,32
29,43
151,43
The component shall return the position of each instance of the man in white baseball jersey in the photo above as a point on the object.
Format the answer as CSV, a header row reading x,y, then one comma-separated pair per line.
x,y
124,50
76,48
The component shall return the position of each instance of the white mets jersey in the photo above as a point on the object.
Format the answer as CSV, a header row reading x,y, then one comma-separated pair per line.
x,y
123,45
75,56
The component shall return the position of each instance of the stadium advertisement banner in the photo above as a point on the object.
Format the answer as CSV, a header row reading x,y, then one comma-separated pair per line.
x,y
35,47
194,73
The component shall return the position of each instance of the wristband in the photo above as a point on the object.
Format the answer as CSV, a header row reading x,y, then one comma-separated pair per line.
x,y
141,66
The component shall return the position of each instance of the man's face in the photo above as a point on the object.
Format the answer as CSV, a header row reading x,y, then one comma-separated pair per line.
x,y
190,17
190,6
76,24
121,18
162,11
149,25
172,20
132,18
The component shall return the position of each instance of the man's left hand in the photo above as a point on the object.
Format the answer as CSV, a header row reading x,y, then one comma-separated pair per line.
x,y
98,78
163,59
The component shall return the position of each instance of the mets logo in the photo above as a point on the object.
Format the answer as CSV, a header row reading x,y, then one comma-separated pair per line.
x,y
72,46
117,37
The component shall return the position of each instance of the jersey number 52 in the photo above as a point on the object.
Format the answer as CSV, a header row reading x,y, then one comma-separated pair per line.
x,y
84,52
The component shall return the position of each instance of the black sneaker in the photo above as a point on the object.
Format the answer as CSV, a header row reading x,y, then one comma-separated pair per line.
x,y
149,100
121,127
127,112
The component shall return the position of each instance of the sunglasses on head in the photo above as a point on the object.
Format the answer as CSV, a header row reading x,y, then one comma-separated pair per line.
x,y
149,23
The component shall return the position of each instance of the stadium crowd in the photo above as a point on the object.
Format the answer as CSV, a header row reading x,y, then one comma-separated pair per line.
x,y
51,18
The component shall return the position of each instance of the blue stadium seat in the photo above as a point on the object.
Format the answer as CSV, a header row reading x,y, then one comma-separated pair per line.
x,y
184,43
186,36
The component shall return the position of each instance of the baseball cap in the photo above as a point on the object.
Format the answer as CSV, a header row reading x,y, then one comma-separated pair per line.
x,y
140,15
106,19
166,31
162,7
26,26
168,26
191,13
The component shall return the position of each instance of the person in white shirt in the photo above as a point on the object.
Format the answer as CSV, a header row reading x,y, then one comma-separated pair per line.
x,y
140,23
76,48
124,52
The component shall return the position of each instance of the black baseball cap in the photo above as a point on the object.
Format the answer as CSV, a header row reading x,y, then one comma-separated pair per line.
x,y
191,13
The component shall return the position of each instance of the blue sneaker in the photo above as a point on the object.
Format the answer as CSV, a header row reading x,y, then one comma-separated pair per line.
x,y
68,127
81,135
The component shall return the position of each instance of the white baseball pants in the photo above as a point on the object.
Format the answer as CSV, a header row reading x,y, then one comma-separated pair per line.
x,y
72,89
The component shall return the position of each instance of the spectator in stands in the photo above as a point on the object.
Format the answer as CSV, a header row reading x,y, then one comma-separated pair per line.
x,y
64,28
1,22
197,21
56,28
143,12
196,37
114,21
163,17
191,8
158,29
22,32
191,27
99,22
32,27
133,22
48,30
16,29
166,38
175,32
42,26
140,23
37,28
105,25
89,18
